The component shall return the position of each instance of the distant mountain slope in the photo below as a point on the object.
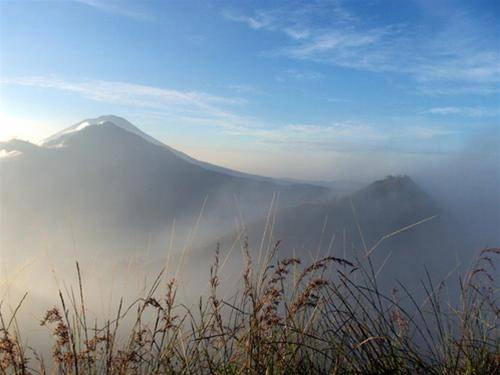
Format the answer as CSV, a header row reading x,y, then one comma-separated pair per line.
x,y
382,207
113,181
344,226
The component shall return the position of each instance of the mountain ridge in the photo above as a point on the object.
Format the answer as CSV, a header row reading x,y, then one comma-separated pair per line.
x,y
124,124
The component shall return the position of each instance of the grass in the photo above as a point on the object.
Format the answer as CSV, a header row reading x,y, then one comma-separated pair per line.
x,y
285,317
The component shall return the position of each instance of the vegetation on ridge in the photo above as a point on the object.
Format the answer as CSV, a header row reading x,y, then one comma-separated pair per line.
x,y
286,317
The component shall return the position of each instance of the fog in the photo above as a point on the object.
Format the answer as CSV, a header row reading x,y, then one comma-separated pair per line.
x,y
125,209
468,184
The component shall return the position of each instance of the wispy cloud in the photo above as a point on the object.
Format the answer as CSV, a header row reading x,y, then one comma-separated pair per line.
x,y
459,56
122,92
343,136
245,89
259,21
195,108
131,9
337,100
194,104
464,111
299,75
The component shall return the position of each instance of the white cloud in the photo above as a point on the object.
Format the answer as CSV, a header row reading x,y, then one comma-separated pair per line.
x,y
464,111
179,103
342,136
130,9
245,89
122,92
299,75
337,100
460,56
420,133
260,21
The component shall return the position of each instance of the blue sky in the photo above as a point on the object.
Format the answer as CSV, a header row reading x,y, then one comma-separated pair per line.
x,y
317,90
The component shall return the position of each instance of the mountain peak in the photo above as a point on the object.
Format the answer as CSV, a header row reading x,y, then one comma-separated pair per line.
x,y
58,140
391,184
399,192
117,121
